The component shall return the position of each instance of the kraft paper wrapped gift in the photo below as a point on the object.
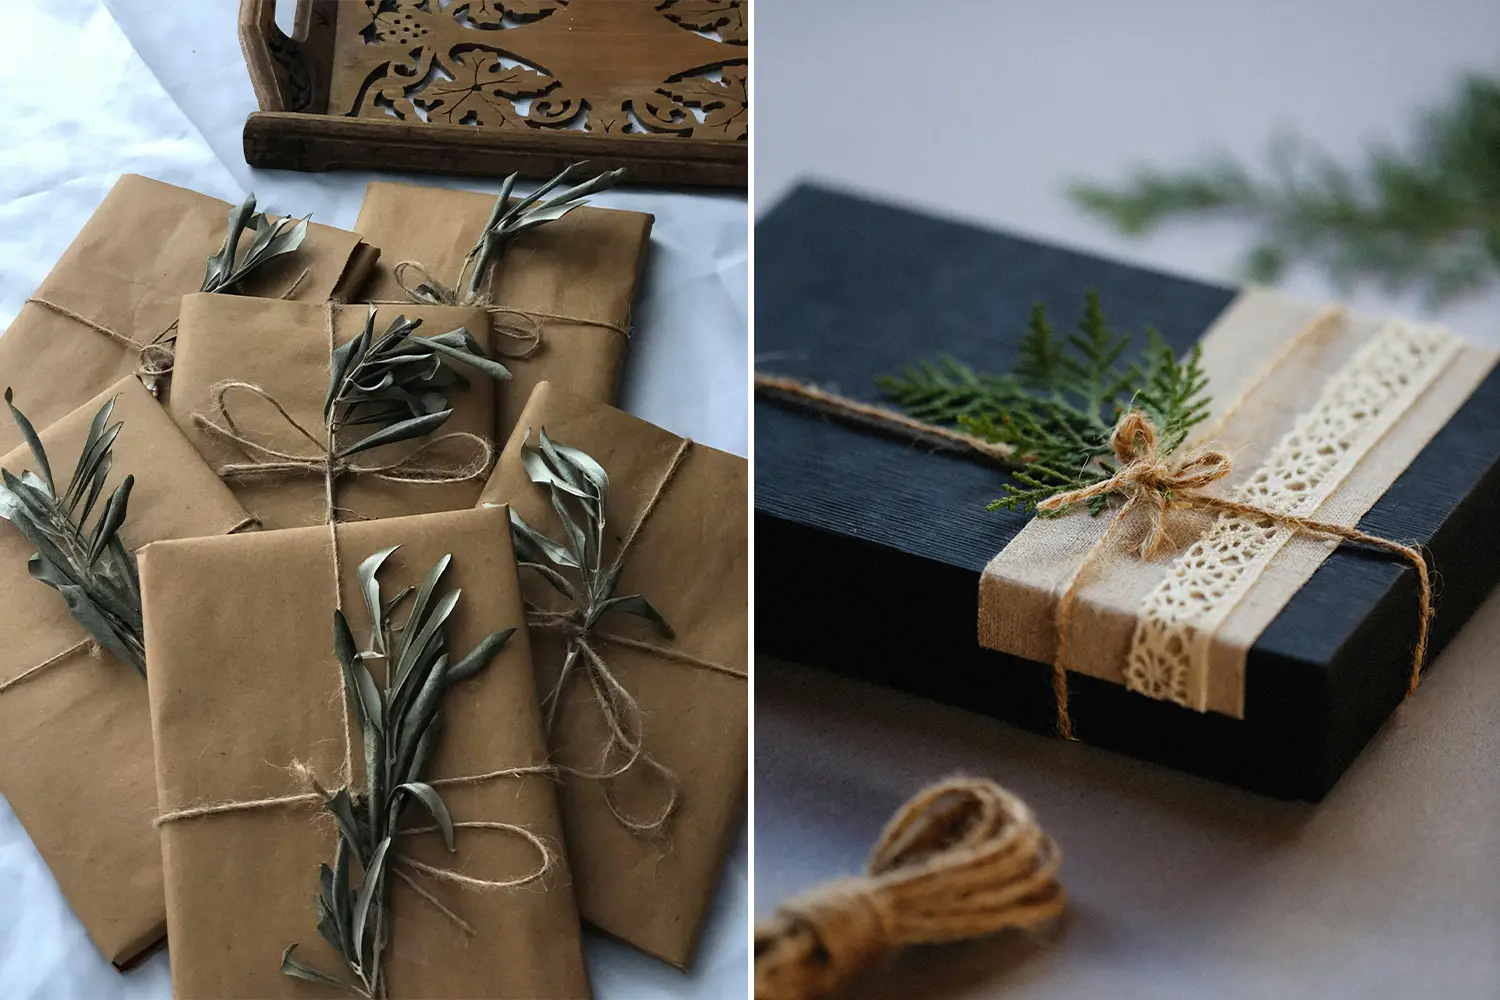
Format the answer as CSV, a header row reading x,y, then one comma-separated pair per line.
x,y
146,245
577,276
283,347
245,681
1379,423
688,559
75,737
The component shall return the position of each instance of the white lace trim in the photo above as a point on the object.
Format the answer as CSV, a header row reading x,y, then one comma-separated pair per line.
x,y
1178,620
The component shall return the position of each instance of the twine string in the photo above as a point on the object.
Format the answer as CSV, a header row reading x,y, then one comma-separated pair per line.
x,y
811,397
623,748
522,327
1158,484
962,859
154,360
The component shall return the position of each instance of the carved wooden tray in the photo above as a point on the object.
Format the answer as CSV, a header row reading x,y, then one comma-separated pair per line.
x,y
489,87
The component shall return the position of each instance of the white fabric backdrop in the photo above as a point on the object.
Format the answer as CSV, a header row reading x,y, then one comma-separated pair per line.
x,y
161,89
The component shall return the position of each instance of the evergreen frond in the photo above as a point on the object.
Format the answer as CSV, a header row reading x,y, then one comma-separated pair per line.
x,y
1059,403
1428,218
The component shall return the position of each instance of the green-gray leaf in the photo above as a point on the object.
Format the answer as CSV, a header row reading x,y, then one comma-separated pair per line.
x,y
480,656
428,796
33,442
405,430
637,605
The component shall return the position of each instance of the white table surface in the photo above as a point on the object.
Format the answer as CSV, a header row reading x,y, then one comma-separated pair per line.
x,y
161,89
1180,887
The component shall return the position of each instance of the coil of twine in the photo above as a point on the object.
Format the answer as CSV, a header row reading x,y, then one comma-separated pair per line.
x,y
962,859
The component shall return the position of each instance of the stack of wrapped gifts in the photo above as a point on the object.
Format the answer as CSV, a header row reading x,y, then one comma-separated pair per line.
x,y
358,643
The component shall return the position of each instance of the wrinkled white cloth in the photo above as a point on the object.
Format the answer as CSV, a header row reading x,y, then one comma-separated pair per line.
x,y
161,89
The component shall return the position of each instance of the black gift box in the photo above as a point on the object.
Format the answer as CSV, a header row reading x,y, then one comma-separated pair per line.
x,y
869,548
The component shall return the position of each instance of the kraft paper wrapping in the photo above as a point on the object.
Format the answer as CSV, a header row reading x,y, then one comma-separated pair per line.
x,y
75,739
1263,372
283,348
244,681
145,246
689,560
585,266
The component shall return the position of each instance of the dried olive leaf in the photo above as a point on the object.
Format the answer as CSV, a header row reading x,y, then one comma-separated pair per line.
x,y
89,567
400,730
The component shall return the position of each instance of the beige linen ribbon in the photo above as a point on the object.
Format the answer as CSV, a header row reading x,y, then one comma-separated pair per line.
x,y
617,707
156,359
1157,485
963,859
521,326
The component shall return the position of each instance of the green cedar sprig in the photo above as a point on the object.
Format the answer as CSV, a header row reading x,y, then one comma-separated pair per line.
x,y
1428,218
89,567
1057,406
400,722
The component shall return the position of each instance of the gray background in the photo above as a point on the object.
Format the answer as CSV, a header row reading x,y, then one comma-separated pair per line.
x,y
1180,887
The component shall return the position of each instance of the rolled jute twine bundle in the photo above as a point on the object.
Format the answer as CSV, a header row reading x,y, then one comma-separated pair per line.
x,y
962,859
521,326
95,651
1148,482
617,706
155,359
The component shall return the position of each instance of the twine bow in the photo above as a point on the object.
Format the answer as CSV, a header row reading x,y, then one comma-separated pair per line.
x,y
963,859
1148,479
1160,484
266,461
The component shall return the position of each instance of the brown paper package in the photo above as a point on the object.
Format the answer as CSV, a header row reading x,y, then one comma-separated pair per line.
x,y
585,266
244,680
689,560
283,348
75,739
145,246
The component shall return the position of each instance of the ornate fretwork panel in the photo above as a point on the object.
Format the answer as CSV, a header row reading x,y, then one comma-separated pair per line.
x,y
664,67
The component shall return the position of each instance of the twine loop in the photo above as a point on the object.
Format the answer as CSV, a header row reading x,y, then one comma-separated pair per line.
x,y
522,327
1159,485
1148,479
962,859
265,461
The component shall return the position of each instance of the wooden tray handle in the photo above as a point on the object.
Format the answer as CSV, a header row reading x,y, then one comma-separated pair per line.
x,y
279,70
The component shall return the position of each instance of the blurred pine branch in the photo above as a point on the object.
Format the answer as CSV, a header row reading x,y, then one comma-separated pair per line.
x,y
1428,218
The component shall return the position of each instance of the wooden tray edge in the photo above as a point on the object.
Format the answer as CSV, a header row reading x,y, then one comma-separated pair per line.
x,y
286,140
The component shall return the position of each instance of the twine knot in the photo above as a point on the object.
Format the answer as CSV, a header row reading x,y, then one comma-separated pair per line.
x,y
963,859
1148,479
264,461
516,325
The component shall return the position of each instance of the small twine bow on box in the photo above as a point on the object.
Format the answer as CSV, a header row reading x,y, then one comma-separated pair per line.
x,y
225,270
506,223
1158,484
962,859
